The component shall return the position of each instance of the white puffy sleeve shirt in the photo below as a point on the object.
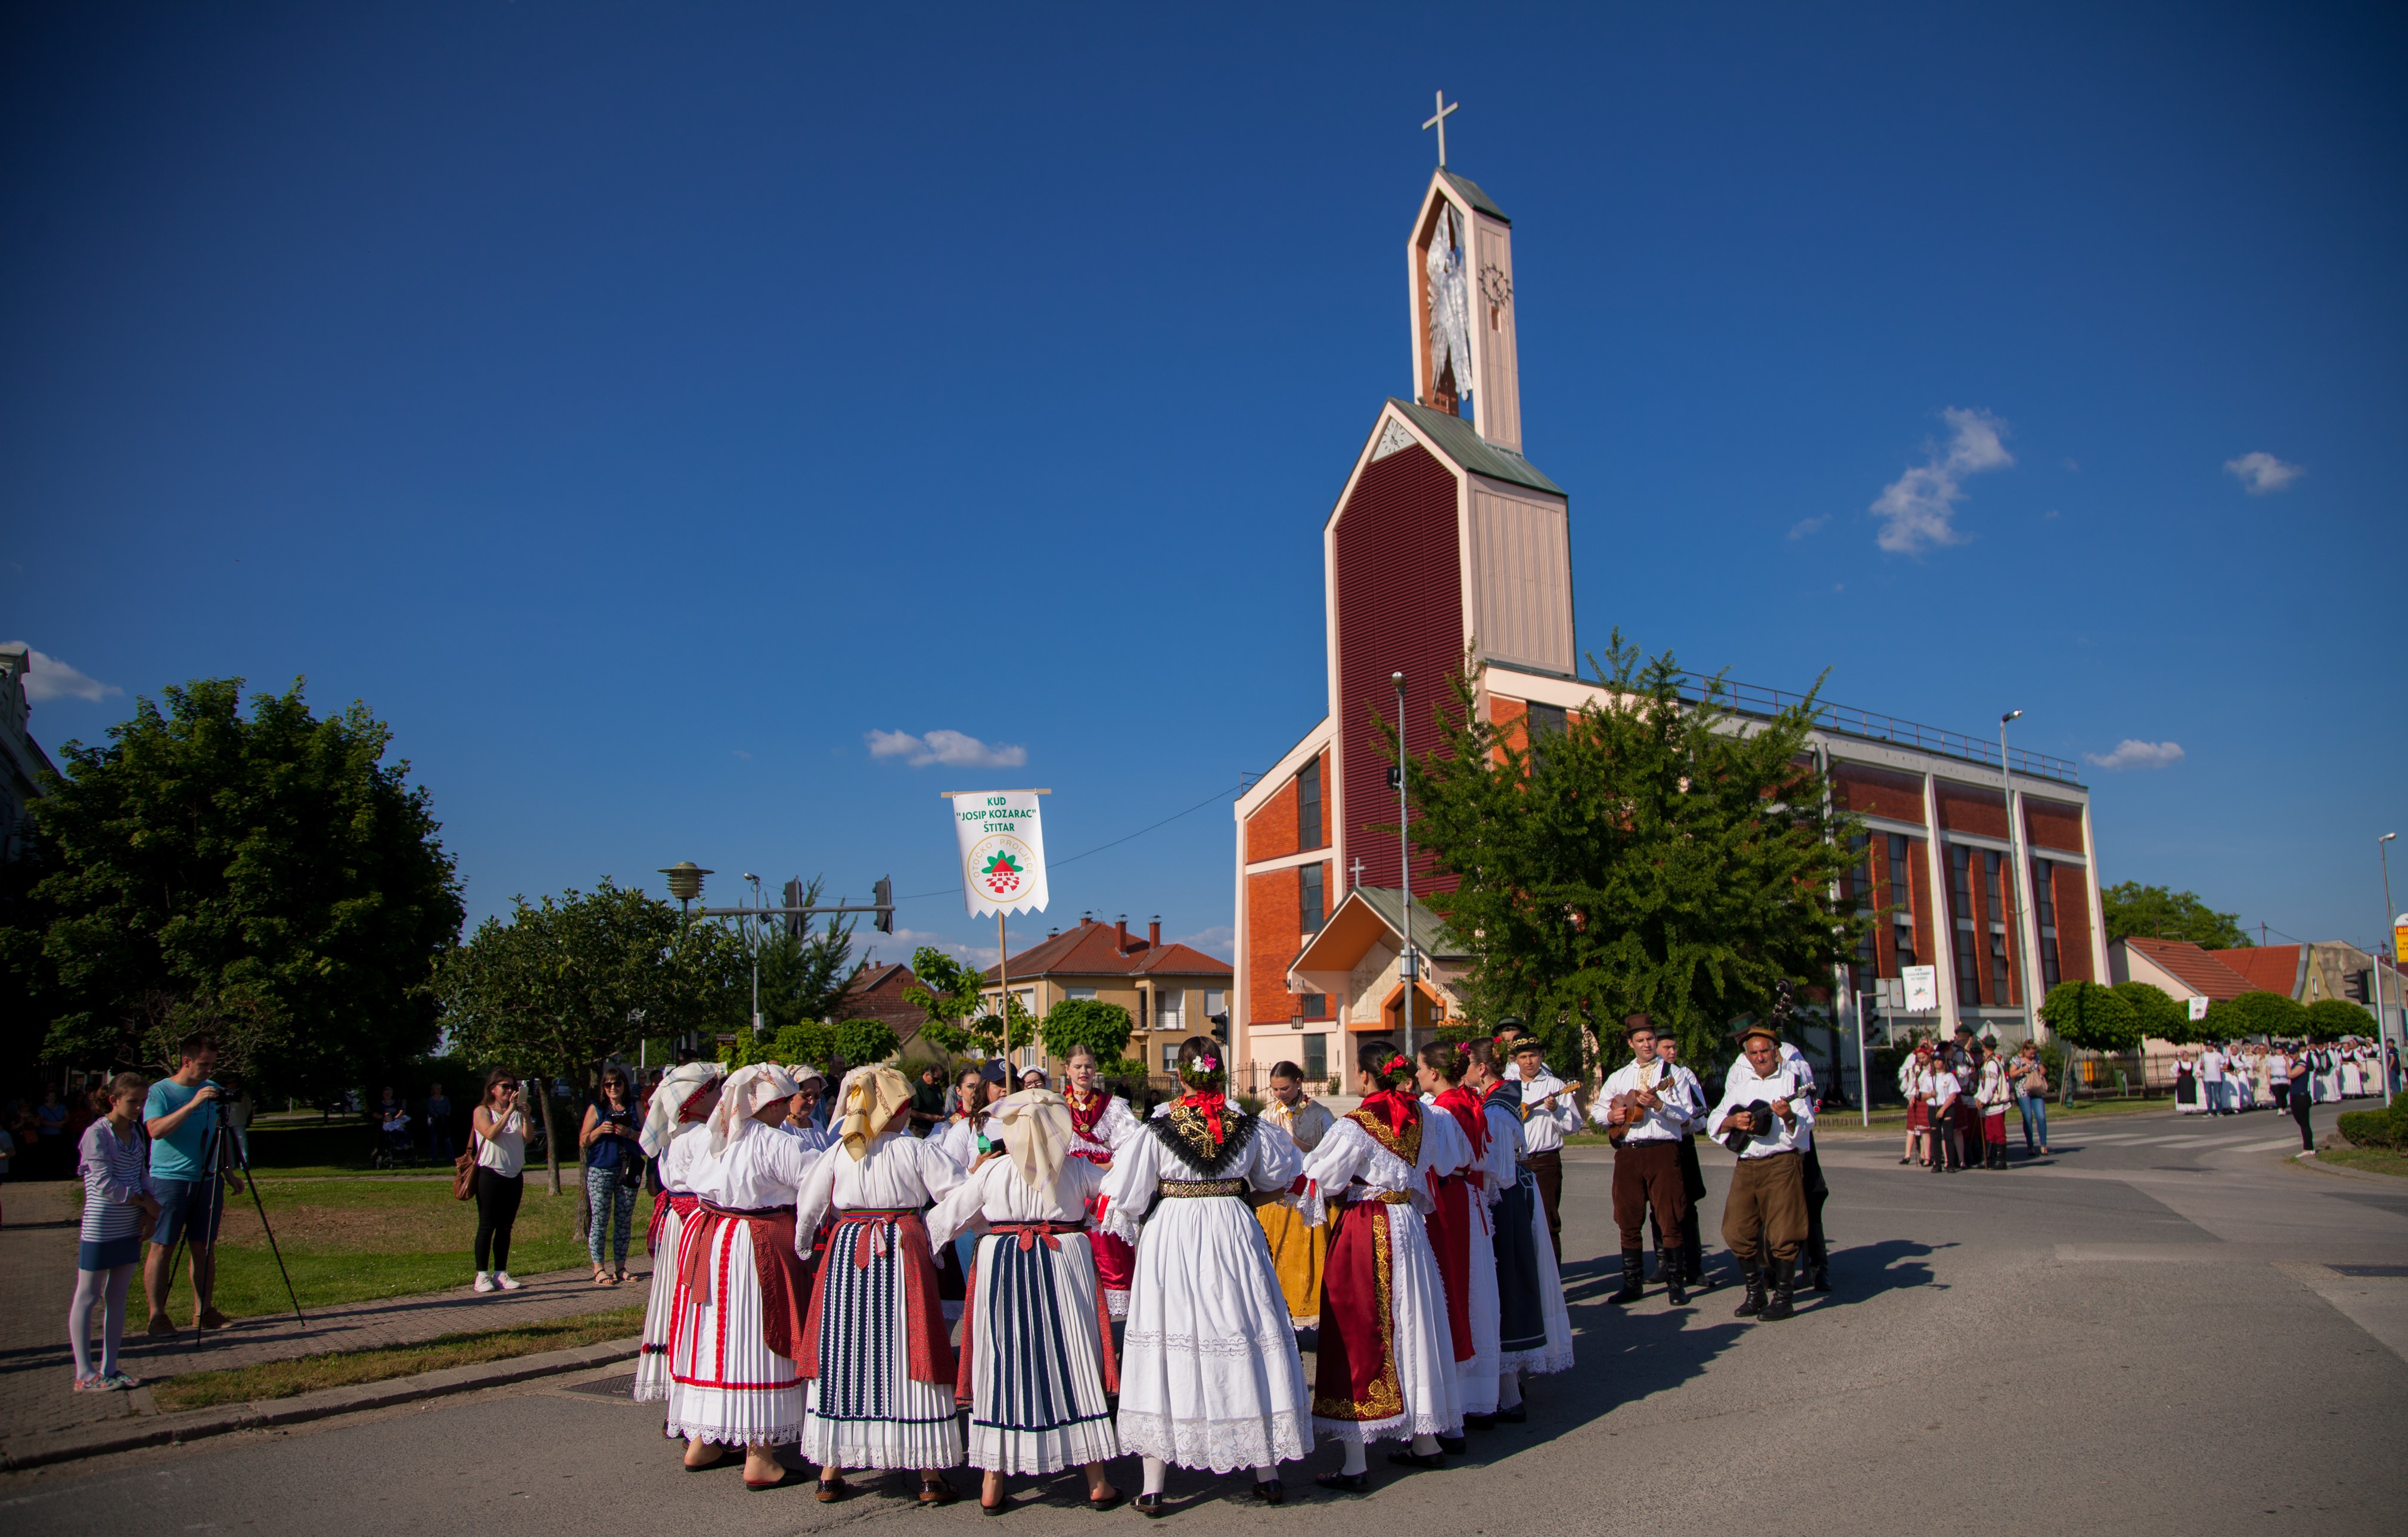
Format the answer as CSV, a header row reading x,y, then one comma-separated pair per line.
x,y
1349,1165
1745,1088
760,1168
897,1174
1544,1128
996,1193
1142,1163
677,1164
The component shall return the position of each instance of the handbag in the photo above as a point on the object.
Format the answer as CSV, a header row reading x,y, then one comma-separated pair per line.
x,y
463,1171
2035,1082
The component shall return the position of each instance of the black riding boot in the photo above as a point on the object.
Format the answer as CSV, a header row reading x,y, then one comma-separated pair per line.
x,y
1785,1279
1634,1276
1752,1273
1818,1265
1668,1262
1693,1256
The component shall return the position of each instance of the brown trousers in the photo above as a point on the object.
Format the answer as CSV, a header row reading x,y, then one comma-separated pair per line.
x,y
1648,1173
1548,1170
1769,1193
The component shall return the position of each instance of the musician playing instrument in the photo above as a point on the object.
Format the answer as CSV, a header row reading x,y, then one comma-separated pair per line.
x,y
1645,1106
1765,1117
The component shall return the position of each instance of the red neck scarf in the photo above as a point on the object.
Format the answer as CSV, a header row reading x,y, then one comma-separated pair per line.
x,y
1464,1105
1207,1102
1395,1105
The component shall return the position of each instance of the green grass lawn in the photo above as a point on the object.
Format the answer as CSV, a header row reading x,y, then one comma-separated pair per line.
x,y
2378,1161
352,1240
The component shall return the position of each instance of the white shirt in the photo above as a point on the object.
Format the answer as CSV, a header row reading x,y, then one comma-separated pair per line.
x,y
959,1140
2211,1065
1116,1125
1350,1164
1544,1129
897,1174
1140,1165
675,1167
812,1137
996,1193
1994,1091
504,1151
1677,1086
759,1168
1938,1084
1745,1088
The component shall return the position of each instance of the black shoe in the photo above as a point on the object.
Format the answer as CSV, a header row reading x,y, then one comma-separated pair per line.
x,y
1453,1446
1518,1414
1272,1492
1634,1281
1150,1506
1818,1275
1670,1263
1778,1306
1752,1274
1344,1483
1414,1459
1479,1422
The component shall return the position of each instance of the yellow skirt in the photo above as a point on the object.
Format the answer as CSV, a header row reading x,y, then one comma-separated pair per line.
x,y
1297,1251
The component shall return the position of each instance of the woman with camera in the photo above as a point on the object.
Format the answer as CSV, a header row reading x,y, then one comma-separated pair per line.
x,y
614,1167
500,1126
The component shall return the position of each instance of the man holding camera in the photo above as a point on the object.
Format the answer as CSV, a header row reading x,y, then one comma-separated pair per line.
x,y
189,1160
1767,1117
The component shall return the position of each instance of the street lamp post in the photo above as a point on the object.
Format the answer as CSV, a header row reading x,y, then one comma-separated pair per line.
x,y
755,949
1405,868
685,884
2022,898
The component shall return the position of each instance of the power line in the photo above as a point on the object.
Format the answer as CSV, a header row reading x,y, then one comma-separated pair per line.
x,y
1074,859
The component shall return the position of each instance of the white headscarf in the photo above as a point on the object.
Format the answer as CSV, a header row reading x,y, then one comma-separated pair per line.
x,y
750,1090
803,1073
1035,1125
665,1119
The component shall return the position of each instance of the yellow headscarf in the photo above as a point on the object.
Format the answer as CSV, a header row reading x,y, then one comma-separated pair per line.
x,y
871,1100
1035,1125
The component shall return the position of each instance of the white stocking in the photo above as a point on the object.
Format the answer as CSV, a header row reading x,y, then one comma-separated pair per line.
x,y
1264,1475
1354,1462
89,1285
1508,1389
1154,1474
1425,1445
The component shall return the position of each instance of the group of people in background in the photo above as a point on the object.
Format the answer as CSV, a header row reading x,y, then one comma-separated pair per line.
x,y
1090,1281
2227,1077
1958,1093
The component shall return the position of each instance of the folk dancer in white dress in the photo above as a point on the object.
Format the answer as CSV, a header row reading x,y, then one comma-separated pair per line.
x,y
1460,1232
1534,1329
1767,1117
1211,1378
733,1347
2353,1075
672,1134
878,1357
1100,1121
963,1138
1386,1369
1036,1355
1297,1243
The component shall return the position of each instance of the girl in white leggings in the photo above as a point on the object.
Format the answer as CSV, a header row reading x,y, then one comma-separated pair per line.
x,y
118,1211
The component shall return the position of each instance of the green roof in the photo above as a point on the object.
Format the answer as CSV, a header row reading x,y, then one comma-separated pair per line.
x,y
1457,440
1430,935
1474,196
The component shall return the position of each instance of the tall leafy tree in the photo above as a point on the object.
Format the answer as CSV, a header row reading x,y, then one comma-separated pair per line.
x,y
267,875
1659,855
947,995
2262,1012
2153,912
807,978
1103,1028
569,981
2330,1019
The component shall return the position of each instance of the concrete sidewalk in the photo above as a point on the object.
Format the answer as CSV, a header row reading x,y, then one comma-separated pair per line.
x,y
37,1271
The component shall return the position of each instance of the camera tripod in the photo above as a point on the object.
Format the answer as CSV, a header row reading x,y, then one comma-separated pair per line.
x,y
213,1160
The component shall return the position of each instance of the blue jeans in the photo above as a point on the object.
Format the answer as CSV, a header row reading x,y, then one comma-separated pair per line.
x,y
2035,1110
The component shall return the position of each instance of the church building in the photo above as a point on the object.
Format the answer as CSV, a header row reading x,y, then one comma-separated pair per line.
x,y
1445,541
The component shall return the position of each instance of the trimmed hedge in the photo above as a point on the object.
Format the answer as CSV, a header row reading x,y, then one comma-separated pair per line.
x,y
2377,1128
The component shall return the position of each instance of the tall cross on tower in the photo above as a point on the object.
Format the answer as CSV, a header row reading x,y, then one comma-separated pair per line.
x,y
1358,872
1438,122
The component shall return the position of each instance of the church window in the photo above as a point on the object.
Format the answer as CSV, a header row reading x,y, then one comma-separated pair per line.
x,y
1540,722
1308,805
1311,897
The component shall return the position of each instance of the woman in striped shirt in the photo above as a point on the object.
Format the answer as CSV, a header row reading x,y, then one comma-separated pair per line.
x,y
118,1211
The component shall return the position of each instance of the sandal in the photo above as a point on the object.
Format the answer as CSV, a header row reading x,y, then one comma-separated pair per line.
x,y
833,1489
935,1489
601,1276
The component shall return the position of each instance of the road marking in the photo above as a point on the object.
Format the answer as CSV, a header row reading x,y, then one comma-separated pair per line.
x,y
2378,1304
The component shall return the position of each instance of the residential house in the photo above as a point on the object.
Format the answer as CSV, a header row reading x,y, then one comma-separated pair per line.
x,y
1171,991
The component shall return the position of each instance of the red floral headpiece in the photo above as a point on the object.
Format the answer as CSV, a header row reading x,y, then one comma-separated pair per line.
x,y
1395,1067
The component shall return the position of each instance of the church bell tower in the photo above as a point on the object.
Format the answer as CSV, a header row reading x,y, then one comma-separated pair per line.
x,y
1459,272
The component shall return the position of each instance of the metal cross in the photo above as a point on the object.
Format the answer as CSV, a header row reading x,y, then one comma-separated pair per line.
x,y
1359,871
1438,122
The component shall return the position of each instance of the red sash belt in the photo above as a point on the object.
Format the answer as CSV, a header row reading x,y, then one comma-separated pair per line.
x,y
778,1267
664,1203
930,1354
1030,1235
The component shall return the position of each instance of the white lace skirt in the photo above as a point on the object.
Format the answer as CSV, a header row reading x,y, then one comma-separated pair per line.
x,y
1210,1375
725,1383
1424,1343
1037,1368
1476,1379
660,1310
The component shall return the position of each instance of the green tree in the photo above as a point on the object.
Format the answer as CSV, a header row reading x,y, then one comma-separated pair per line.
x,y
268,877
2330,1019
572,980
2260,1012
1100,1027
808,977
864,1041
2153,912
947,994
1654,856
2155,1012
2091,1016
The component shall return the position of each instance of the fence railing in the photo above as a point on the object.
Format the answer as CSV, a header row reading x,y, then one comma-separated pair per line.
x,y
1848,720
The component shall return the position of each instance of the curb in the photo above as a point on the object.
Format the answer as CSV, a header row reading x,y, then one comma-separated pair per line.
x,y
125,1435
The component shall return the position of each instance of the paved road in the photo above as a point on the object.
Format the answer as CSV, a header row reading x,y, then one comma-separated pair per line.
x,y
2141,1332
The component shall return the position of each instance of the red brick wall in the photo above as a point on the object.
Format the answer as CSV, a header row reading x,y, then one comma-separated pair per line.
x,y
2053,824
2075,961
1399,609
1506,715
1272,931
1270,831
1877,792
1970,808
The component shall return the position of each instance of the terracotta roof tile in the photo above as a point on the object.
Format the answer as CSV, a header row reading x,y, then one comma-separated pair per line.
x,y
1093,950
2198,970
2271,968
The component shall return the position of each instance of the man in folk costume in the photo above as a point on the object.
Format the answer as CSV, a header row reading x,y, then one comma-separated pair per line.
x,y
1817,1256
1297,1243
741,1291
1036,1352
1548,1114
877,1353
1534,1327
1767,1117
1644,1105
1211,1377
1693,1176
1992,1093
679,1104
1100,1121
1462,1236
1386,1368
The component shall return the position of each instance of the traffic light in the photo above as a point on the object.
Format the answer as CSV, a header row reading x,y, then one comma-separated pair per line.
x,y
796,922
884,901
2357,985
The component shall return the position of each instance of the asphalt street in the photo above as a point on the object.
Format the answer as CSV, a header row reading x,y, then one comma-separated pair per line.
x,y
2169,1327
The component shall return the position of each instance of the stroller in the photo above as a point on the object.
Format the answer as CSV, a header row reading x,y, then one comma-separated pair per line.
x,y
394,1145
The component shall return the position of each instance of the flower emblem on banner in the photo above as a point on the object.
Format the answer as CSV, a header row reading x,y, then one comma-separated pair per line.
x,y
1002,875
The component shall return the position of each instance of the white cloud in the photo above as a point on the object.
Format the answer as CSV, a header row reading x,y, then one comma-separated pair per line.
x,y
953,748
1918,509
1805,526
2133,753
2260,473
47,678
1219,940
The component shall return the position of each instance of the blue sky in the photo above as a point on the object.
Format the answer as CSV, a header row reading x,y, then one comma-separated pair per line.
x,y
640,407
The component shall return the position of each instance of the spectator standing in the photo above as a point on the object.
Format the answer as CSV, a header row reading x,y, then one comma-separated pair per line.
x,y
928,1101
51,1120
2278,1076
2214,1066
2303,1102
117,1212
2032,1096
500,1126
190,1177
438,1124
614,1167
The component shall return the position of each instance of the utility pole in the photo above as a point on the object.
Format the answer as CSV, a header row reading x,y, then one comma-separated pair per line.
x,y
2015,883
2386,941
1410,960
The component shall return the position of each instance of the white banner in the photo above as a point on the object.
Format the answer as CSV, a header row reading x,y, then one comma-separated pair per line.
x,y
1922,987
2198,1008
1003,851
